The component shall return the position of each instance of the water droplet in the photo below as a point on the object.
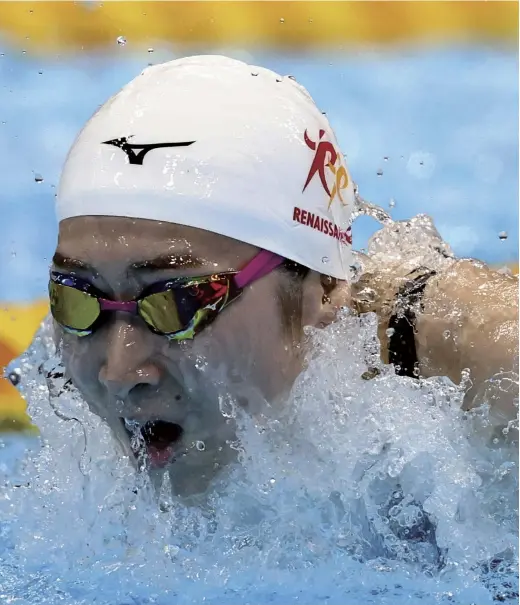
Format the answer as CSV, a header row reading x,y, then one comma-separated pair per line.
x,y
24,52
15,376
121,40
367,294
391,203
380,172
325,260
310,20
282,20
502,235
40,73
38,178
171,549
385,158
390,332
446,334
200,363
226,406
150,50
371,373
200,445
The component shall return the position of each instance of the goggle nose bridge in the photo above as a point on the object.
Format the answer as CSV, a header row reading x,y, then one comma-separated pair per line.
x,y
117,305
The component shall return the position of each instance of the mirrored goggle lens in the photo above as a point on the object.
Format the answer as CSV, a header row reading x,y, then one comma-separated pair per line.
x,y
161,312
185,310
72,308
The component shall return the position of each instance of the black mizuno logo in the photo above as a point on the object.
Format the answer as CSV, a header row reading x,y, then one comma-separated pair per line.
x,y
136,151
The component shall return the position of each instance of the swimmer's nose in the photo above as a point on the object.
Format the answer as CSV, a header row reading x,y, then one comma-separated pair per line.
x,y
127,362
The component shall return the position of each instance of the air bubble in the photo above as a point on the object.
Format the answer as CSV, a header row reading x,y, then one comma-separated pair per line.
x,y
502,235
200,445
390,332
446,334
325,260
391,203
121,40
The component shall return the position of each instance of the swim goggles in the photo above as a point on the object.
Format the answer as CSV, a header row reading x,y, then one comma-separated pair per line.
x,y
177,308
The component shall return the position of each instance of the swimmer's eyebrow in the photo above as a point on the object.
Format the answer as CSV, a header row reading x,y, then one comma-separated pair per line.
x,y
65,262
182,261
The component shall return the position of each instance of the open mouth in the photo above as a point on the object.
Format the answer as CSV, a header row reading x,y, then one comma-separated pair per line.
x,y
158,438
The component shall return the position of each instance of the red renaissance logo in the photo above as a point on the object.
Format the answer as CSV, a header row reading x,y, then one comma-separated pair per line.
x,y
326,157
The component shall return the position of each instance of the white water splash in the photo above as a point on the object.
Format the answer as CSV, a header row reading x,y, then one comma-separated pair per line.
x,y
365,490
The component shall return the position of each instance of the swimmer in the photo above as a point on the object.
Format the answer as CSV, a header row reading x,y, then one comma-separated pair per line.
x,y
204,220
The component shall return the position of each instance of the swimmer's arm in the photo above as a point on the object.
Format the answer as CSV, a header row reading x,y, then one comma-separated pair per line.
x,y
470,320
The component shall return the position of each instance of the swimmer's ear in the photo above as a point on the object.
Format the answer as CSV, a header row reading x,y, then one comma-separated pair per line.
x,y
323,296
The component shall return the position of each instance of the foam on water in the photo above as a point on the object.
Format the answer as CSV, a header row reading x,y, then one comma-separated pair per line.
x,y
368,488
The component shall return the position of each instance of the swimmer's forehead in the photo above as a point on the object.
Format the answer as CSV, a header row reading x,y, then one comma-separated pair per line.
x,y
88,242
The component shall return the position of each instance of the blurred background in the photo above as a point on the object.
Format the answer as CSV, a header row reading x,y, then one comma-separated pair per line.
x,y
423,97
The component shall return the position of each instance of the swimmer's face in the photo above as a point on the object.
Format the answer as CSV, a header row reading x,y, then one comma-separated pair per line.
x,y
125,371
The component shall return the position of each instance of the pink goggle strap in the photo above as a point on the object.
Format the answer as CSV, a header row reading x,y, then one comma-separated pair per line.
x,y
262,264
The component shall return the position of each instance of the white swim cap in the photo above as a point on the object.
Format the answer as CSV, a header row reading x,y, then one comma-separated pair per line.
x,y
214,143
